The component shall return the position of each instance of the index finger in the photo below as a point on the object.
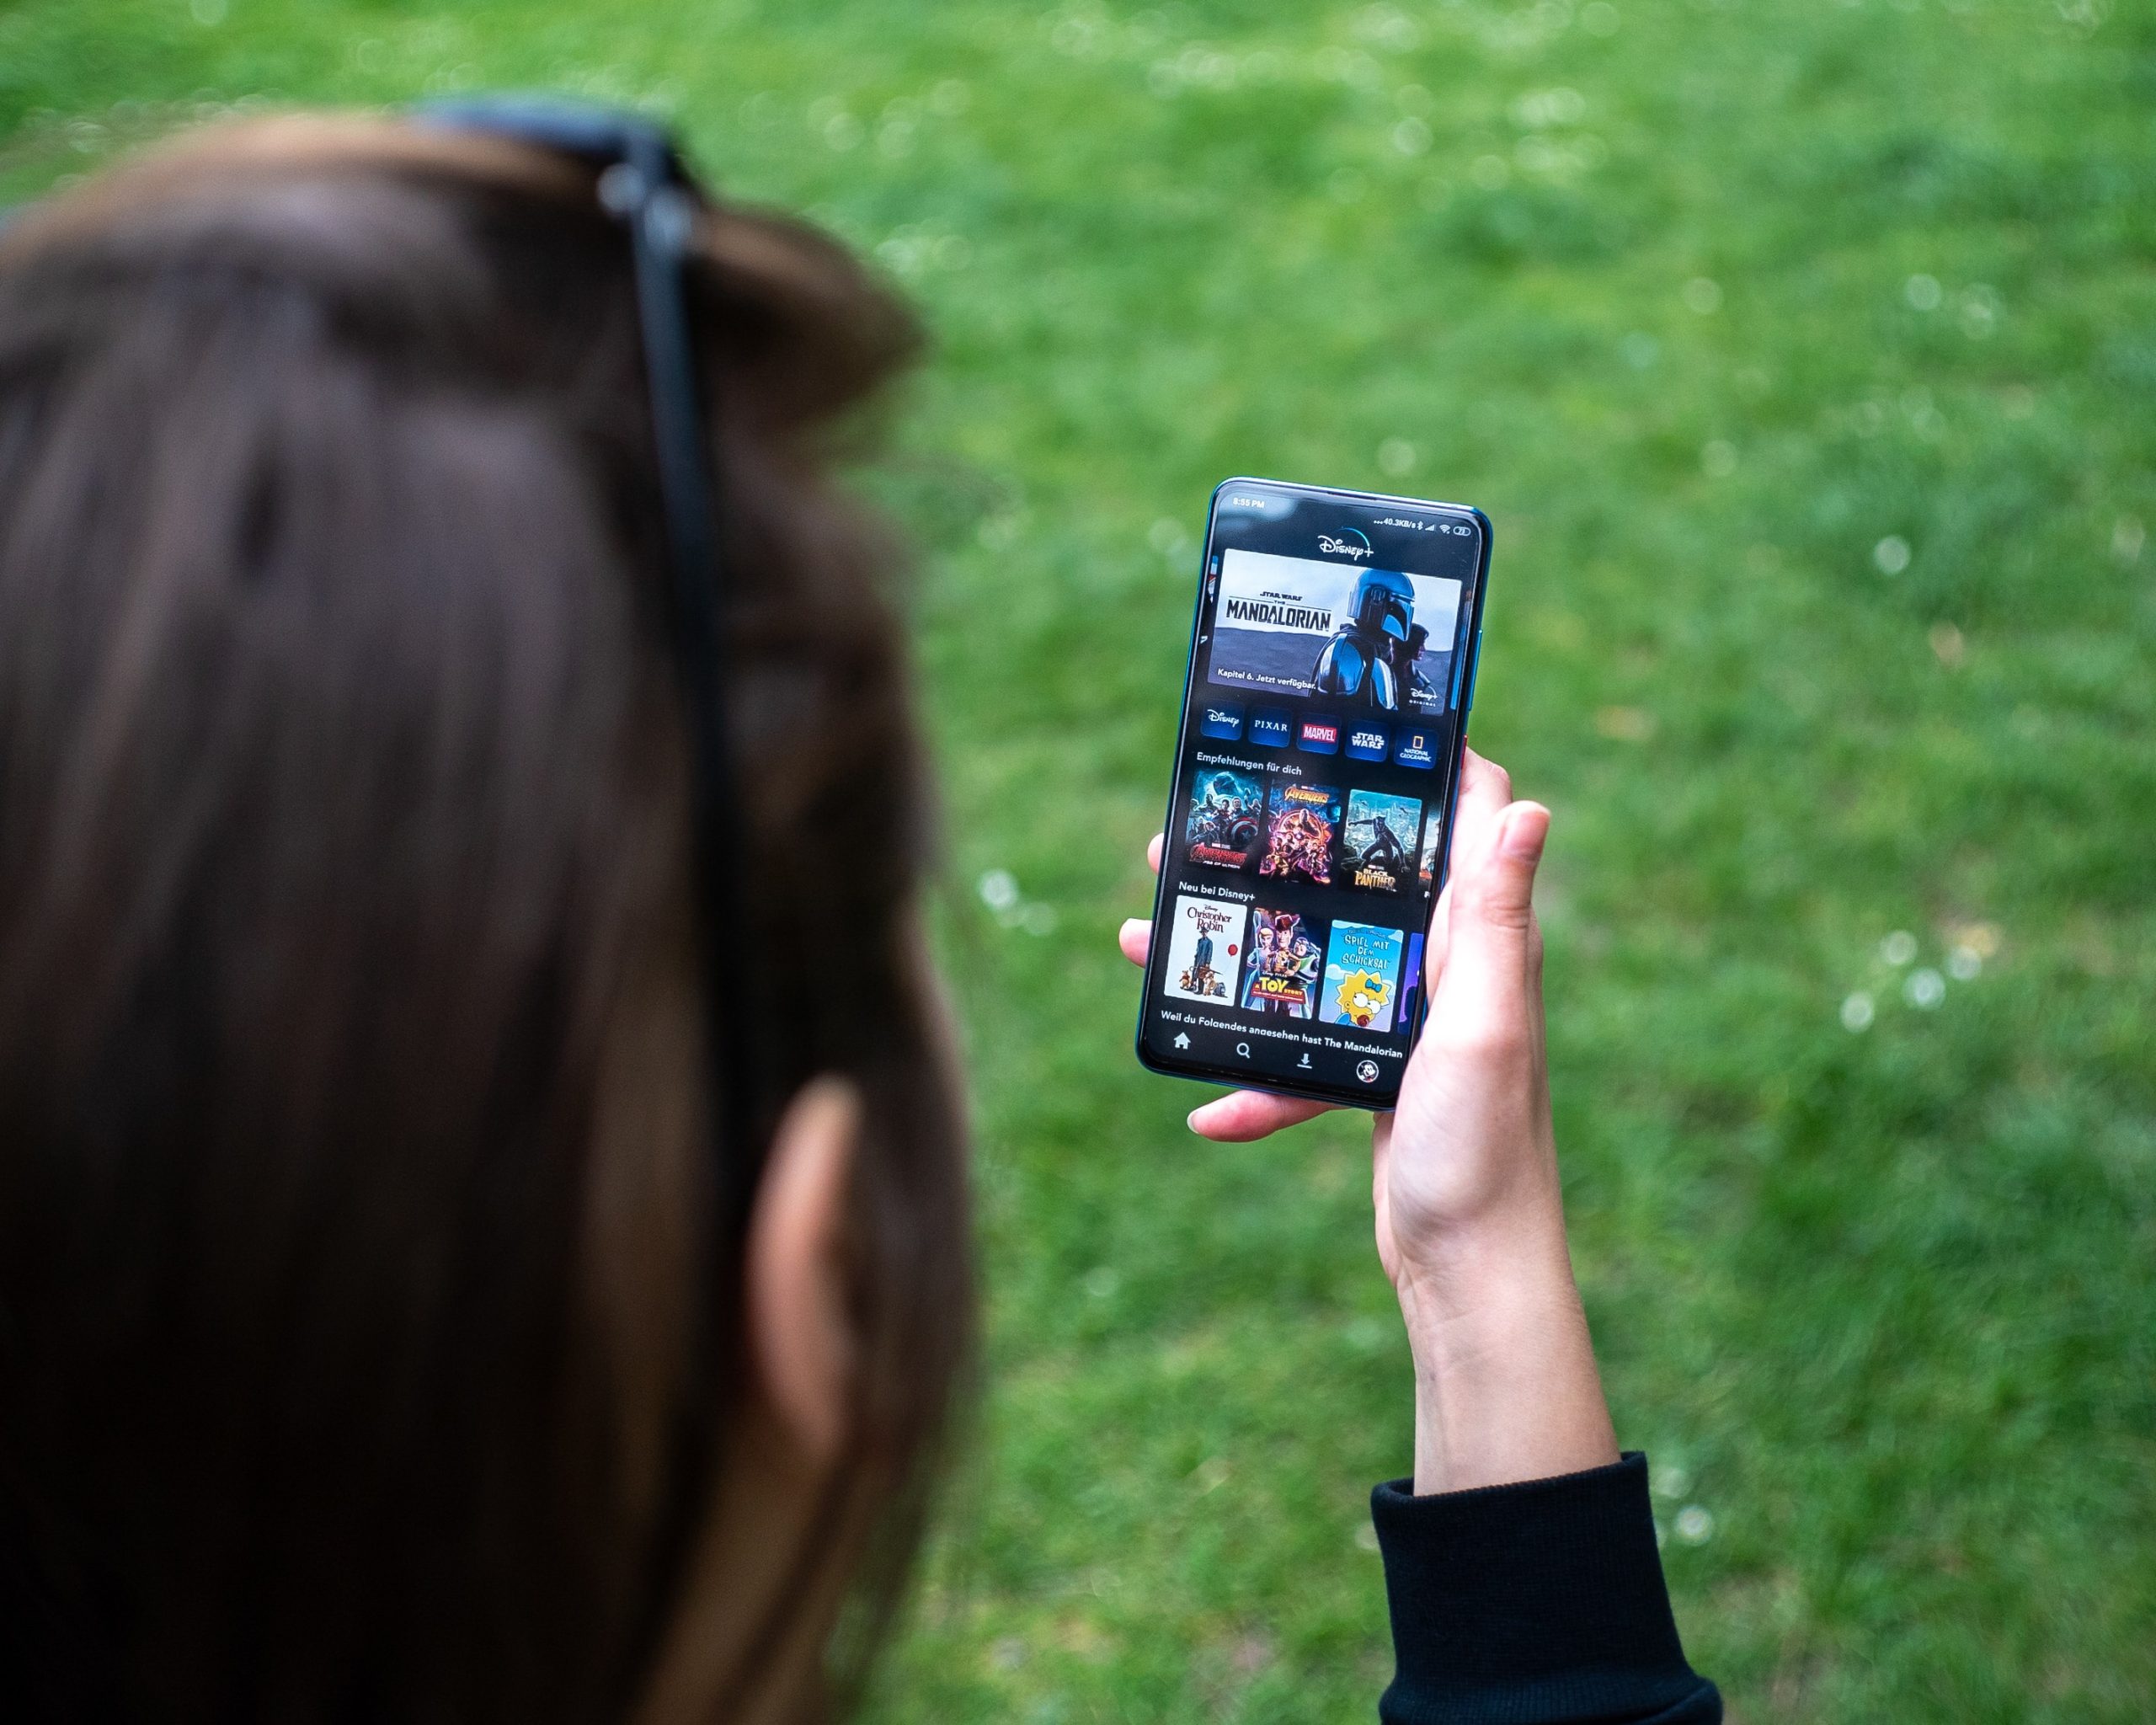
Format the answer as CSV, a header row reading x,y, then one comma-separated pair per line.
x,y
1247,1115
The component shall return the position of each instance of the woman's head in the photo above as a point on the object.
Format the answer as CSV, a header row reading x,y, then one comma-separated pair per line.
x,y
359,1290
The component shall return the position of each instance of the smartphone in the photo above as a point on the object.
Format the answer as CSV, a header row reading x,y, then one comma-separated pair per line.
x,y
1332,661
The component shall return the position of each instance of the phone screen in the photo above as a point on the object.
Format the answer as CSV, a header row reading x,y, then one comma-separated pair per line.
x,y
1331,669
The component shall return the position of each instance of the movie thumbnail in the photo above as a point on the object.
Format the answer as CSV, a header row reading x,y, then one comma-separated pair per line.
x,y
1411,983
1287,960
1377,846
1373,640
1433,838
1302,825
1226,818
1362,976
1205,942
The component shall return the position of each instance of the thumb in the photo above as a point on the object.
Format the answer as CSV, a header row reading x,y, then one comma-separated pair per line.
x,y
1493,907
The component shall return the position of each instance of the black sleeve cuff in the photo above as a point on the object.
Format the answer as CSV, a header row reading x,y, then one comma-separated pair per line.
x,y
1533,1604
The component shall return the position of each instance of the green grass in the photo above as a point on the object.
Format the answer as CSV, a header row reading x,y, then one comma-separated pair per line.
x,y
1708,306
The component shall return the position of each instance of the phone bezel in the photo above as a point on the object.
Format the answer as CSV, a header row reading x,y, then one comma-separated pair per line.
x,y
1373,1102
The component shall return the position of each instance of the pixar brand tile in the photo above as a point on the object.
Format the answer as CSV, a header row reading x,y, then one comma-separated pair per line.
x,y
1272,727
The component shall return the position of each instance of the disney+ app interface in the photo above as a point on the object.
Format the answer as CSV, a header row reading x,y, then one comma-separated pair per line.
x,y
1312,784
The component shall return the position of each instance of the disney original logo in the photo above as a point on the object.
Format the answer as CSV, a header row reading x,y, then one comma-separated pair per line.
x,y
1357,547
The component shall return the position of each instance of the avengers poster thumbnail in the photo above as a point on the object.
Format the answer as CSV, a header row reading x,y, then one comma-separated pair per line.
x,y
1205,949
1302,825
1287,960
1377,849
1362,976
1226,818
1361,639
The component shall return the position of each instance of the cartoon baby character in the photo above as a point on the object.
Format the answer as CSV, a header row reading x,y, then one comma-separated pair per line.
x,y
1362,997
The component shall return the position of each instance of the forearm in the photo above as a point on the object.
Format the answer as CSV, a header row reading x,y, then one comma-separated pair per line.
x,y
1506,1386
1521,1572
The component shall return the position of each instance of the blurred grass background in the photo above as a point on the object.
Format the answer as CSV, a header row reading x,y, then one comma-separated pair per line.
x,y
1805,356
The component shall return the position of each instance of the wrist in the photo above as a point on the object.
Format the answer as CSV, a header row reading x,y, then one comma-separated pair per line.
x,y
1487,1274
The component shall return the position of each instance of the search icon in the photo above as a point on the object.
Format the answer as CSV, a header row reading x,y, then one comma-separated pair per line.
x,y
1243,1048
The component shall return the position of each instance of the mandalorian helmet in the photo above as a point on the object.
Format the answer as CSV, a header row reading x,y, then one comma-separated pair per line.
x,y
1385,603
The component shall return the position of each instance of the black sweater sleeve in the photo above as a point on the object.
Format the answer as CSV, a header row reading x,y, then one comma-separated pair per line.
x,y
1532,1604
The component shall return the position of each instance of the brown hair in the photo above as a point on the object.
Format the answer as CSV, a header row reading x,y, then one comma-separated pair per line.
x,y
353,1084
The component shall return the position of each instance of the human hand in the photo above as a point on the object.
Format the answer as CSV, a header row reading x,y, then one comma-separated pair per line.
x,y
1470,1211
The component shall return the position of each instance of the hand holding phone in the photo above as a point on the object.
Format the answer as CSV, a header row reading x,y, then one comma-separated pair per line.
x,y
1470,1215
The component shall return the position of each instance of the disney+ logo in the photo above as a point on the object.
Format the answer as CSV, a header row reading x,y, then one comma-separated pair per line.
x,y
1356,547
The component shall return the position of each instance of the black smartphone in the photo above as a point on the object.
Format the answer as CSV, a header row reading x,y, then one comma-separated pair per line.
x,y
1332,663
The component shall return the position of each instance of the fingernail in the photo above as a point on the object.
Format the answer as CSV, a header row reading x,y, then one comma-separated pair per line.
x,y
1526,826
